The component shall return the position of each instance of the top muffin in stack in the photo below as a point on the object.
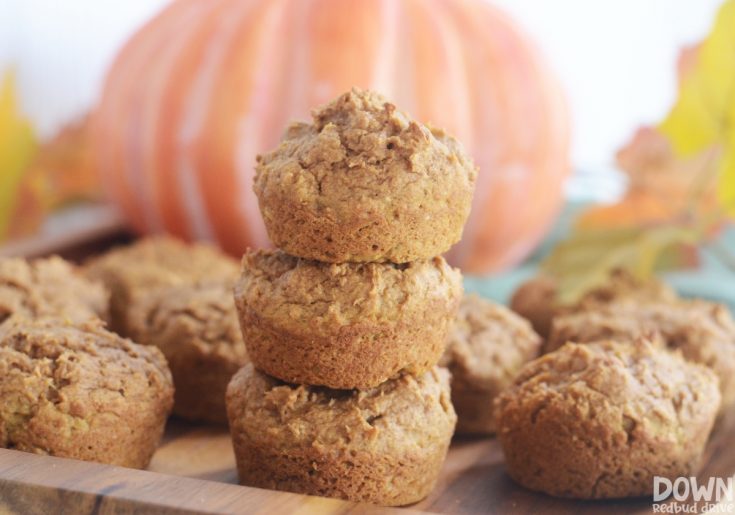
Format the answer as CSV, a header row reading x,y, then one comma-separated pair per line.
x,y
365,183
361,202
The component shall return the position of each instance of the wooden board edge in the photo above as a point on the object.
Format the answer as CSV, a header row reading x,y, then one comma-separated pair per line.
x,y
43,484
104,223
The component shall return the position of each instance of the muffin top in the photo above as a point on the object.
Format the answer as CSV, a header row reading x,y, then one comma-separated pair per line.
x,y
703,331
80,375
161,260
48,287
488,343
183,318
133,271
400,415
360,152
683,323
299,294
619,391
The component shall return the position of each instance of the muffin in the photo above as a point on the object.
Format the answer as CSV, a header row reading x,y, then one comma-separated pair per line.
x,y
48,287
601,420
196,328
364,183
350,325
383,446
537,300
79,391
133,271
703,331
487,346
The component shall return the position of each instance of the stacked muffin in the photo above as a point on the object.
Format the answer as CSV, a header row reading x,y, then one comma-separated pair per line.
x,y
345,324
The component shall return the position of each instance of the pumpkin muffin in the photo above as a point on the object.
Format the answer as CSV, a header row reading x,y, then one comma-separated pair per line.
x,y
536,299
196,328
48,287
384,446
601,420
487,346
703,331
79,391
364,182
133,271
350,325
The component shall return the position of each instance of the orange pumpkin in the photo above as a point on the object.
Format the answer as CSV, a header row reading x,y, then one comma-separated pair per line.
x,y
206,85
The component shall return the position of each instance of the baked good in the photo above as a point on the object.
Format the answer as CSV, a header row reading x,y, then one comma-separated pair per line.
x,y
601,420
364,182
384,446
703,331
537,300
80,391
487,346
131,272
47,287
196,328
350,325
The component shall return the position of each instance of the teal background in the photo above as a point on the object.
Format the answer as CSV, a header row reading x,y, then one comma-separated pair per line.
x,y
712,280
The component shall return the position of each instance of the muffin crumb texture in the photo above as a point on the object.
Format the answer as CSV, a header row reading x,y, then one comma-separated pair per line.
x,y
48,287
132,271
384,445
196,328
79,391
600,420
364,183
487,346
348,325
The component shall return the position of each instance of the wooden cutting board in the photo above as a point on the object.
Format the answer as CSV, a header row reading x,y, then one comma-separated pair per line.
x,y
194,467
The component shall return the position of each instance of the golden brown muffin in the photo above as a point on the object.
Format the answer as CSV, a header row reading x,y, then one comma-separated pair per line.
x,y
536,299
350,325
79,391
487,346
601,420
364,182
48,287
703,331
196,328
133,271
384,446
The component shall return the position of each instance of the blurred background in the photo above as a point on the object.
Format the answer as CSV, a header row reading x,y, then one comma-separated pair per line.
x,y
615,59
567,86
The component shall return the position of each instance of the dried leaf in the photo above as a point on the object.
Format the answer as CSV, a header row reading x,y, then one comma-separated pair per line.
x,y
584,260
17,145
703,116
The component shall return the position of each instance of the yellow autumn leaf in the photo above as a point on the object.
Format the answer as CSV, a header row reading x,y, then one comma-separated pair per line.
x,y
704,114
17,145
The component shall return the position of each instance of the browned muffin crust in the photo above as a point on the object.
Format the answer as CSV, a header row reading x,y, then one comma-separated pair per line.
x,y
196,328
350,325
536,299
601,420
133,271
383,446
487,346
48,287
703,331
364,183
79,391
